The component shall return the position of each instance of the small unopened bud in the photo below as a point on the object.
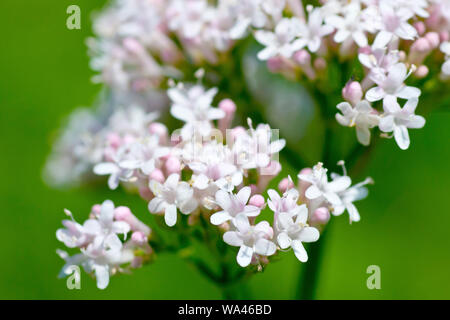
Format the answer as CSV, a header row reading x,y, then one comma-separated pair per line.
x,y
113,140
275,64
320,64
125,214
320,216
302,57
420,27
257,200
157,175
421,71
285,184
96,209
173,165
433,39
139,237
160,130
229,107
352,92
145,193
444,36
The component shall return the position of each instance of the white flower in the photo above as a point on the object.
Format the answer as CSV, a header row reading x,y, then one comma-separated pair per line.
x,y
283,41
363,116
252,240
321,188
115,171
311,34
352,194
285,204
394,24
144,154
445,48
379,61
233,205
193,106
351,26
398,120
292,230
392,85
171,195
248,13
256,149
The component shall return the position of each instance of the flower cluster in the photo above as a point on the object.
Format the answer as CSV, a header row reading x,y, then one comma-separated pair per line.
x,y
205,168
102,251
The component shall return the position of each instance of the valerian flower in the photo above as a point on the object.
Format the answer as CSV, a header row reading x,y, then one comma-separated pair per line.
x,y
252,240
398,120
232,205
362,116
171,195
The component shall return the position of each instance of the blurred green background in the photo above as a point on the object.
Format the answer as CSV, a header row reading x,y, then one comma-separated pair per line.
x,y
44,74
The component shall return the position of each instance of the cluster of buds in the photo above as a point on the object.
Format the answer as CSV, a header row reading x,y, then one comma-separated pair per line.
x,y
210,169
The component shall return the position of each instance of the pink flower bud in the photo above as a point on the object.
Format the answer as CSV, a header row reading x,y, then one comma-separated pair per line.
x,y
96,208
145,193
285,184
157,175
352,92
173,165
229,107
444,36
234,133
421,45
433,39
113,139
420,27
138,237
257,200
421,71
122,213
320,64
302,57
275,64
320,216
160,130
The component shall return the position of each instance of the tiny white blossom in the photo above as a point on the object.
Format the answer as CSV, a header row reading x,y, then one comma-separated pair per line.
x,y
362,116
398,120
252,240
171,195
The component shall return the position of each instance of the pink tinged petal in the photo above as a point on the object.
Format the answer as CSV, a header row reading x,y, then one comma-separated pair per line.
x,y
410,106
157,205
309,234
220,217
277,146
170,216
360,38
267,53
375,94
105,168
299,251
332,198
382,39
113,181
223,199
386,123
155,187
264,229
232,238
107,212
408,93
265,247
121,227
341,35
283,240
353,212
401,137
244,194
102,276
242,223
188,206
416,122
302,214
244,256
172,181
313,192
390,105
251,211
92,227
363,135
339,184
